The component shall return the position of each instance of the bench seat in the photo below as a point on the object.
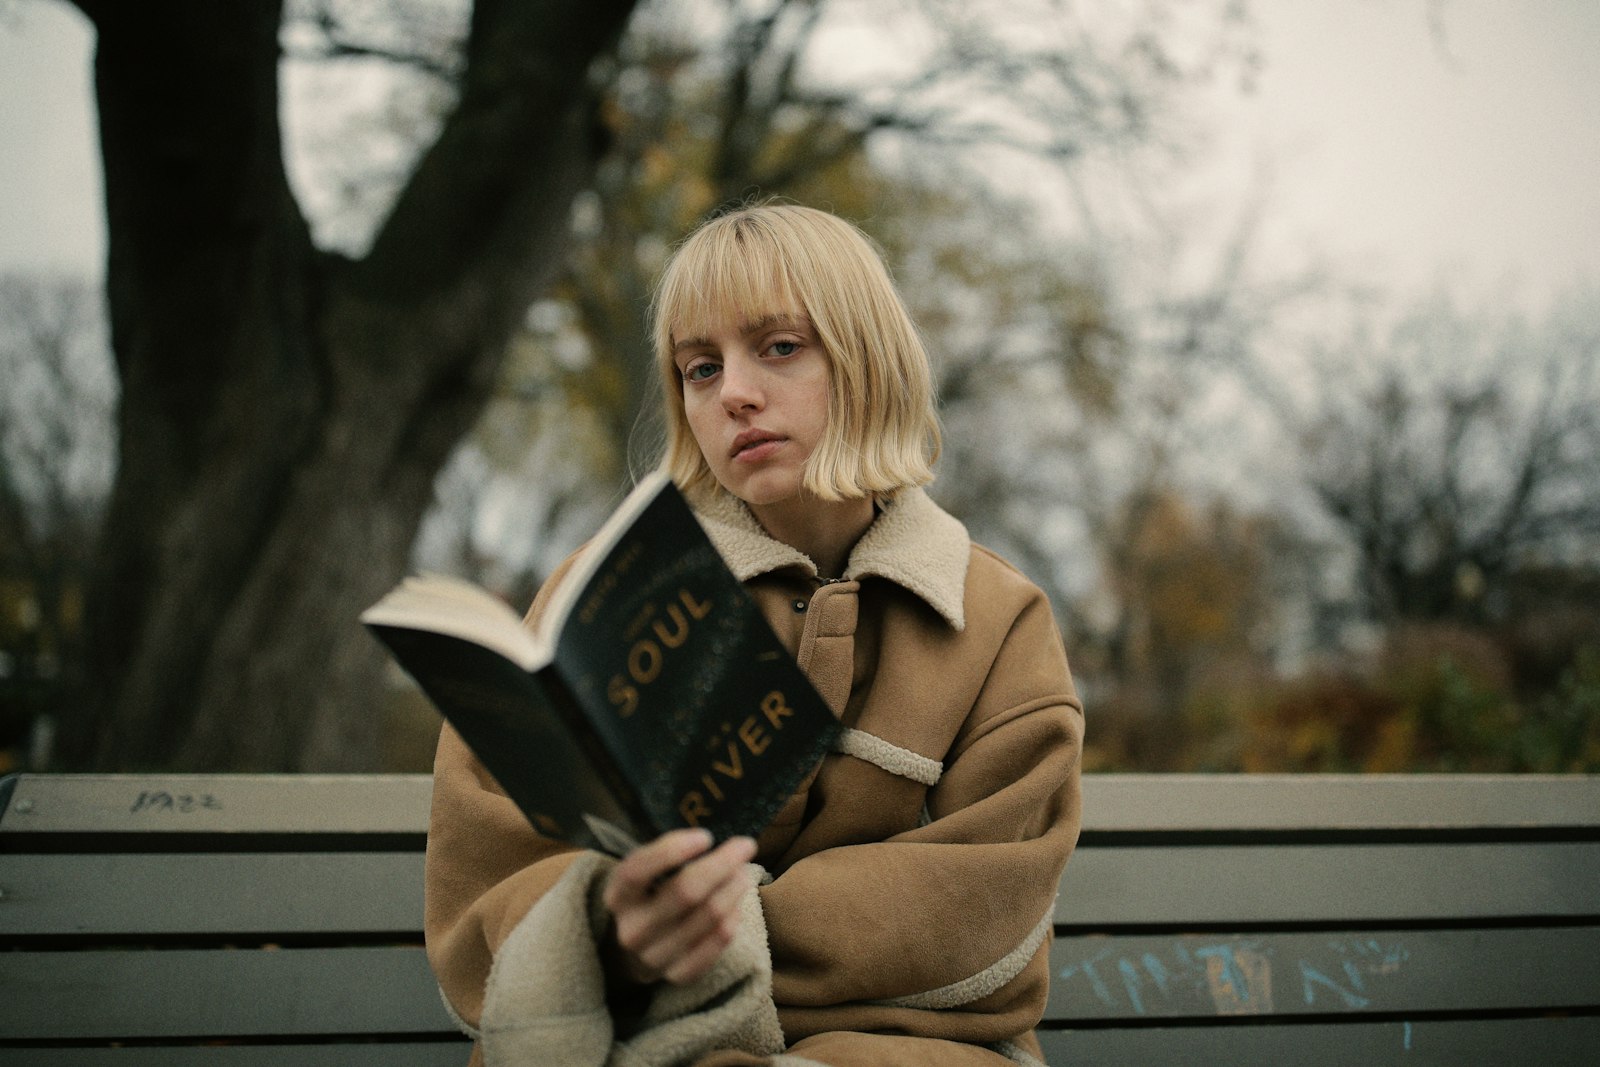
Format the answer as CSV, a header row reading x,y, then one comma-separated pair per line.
x,y
1205,919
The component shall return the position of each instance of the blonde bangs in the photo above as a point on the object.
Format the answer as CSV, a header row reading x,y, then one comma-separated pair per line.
x,y
722,278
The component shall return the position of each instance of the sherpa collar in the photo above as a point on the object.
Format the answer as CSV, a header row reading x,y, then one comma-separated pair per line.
x,y
914,543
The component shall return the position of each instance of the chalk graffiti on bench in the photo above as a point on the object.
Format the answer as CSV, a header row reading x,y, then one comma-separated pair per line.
x,y
1238,976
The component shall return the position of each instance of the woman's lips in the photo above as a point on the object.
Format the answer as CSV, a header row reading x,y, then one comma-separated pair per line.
x,y
754,445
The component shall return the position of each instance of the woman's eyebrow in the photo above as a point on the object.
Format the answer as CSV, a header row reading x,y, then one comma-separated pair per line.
x,y
766,321
792,321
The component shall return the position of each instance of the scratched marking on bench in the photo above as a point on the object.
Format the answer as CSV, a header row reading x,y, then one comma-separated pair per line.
x,y
182,803
1235,977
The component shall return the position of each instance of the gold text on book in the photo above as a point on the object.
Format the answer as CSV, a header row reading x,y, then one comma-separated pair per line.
x,y
749,737
645,659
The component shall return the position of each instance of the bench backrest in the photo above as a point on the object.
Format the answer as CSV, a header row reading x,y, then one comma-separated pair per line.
x,y
1330,920
1259,919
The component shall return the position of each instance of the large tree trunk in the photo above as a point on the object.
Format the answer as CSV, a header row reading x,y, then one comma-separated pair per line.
x,y
284,411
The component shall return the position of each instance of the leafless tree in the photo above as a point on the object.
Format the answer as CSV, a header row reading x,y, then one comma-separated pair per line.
x,y
1459,450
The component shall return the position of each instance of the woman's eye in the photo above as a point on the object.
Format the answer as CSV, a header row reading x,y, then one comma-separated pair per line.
x,y
699,372
785,348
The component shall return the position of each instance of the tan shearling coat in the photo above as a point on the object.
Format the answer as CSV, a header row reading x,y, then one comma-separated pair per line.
x,y
906,894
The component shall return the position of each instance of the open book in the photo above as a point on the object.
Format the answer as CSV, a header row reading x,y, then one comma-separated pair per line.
x,y
652,695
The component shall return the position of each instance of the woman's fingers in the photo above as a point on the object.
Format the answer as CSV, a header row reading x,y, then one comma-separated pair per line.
x,y
699,880
635,878
675,924
707,933
676,902
715,906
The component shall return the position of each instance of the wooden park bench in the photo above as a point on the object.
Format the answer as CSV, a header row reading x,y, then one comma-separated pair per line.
x,y
246,920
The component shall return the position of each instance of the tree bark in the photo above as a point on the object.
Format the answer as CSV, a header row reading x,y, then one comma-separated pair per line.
x,y
284,411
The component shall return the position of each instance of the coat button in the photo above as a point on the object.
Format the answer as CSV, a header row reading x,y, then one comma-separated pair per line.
x,y
799,605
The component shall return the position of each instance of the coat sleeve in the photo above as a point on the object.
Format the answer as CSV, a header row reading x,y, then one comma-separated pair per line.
x,y
943,930
486,867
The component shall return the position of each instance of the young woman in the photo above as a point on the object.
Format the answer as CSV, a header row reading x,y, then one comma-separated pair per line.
x,y
898,910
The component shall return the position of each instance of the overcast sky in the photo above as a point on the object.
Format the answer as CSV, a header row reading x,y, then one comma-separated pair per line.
x,y
1468,149
1465,149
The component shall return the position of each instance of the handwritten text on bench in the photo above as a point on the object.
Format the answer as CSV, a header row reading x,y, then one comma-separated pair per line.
x,y
181,803
1235,977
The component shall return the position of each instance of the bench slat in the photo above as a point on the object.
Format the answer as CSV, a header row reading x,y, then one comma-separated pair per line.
x,y
1569,1042
1329,883
218,804
398,803
197,993
190,993
1320,802
386,1054
1398,971
208,894
306,893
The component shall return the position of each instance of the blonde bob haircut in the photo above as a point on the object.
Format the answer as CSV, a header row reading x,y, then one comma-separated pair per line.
x,y
882,432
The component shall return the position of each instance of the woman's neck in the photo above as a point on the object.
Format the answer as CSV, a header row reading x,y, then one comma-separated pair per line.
x,y
824,530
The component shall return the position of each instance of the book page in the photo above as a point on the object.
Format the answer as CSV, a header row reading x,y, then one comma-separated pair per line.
x,y
595,552
438,604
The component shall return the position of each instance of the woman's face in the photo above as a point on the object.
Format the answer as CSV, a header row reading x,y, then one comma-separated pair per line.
x,y
756,396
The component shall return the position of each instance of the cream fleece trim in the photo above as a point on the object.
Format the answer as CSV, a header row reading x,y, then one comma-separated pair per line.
x,y
786,1060
889,756
461,1024
1017,1054
546,1000
986,981
914,543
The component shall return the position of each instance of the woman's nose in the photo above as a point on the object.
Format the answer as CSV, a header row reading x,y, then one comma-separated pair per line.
x,y
741,386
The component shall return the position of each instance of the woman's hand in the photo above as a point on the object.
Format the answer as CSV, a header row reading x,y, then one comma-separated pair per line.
x,y
675,905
